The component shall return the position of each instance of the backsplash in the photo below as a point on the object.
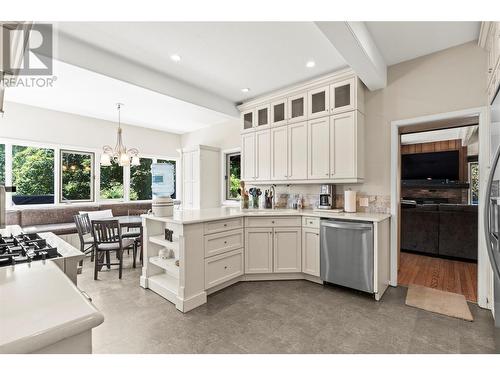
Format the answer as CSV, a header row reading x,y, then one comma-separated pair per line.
x,y
286,196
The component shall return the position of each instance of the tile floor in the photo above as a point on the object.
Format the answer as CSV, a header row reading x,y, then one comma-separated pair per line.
x,y
275,317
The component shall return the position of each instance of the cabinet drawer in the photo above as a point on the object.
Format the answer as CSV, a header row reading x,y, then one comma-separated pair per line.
x,y
222,242
310,222
222,225
222,268
265,222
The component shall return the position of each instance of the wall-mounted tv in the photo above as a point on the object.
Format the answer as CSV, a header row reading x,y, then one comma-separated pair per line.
x,y
443,165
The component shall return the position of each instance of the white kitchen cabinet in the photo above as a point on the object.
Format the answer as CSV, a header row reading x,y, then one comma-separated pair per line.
x,y
287,250
319,102
297,107
200,178
297,151
262,114
310,251
258,250
346,146
318,137
248,121
263,155
248,156
278,112
279,153
342,96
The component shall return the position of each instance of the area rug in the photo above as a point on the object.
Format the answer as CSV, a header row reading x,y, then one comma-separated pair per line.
x,y
438,301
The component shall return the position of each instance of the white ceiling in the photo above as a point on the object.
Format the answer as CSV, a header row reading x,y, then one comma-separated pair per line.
x,y
220,57
402,41
80,91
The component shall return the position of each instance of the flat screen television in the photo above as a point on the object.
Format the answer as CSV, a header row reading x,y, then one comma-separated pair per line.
x,y
443,165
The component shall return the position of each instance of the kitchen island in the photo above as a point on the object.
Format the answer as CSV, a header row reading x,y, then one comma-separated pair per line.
x,y
211,249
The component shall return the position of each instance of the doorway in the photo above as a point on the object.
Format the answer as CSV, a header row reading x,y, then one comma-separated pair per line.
x,y
480,118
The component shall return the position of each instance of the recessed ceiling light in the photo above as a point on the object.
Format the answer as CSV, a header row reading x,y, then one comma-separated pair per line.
x,y
245,89
310,64
175,58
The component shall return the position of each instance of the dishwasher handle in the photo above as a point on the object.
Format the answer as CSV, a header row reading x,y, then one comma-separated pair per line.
x,y
344,225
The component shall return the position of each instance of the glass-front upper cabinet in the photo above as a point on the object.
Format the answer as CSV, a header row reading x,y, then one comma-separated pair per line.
x,y
248,120
319,102
297,107
262,114
278,113
342,96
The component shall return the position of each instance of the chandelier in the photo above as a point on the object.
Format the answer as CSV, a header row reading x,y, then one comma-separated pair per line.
x,y
119,154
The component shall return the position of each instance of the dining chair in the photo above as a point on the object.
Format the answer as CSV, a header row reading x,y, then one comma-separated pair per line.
x,y
107,238
84,229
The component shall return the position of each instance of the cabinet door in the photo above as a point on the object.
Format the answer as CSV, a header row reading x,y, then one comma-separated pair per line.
x,y
343,153
319,102
258,250
318,137
263,155
287,250
247,120
297,151
279,154
278,113
248,156
262,117
310,251
342,96
297,108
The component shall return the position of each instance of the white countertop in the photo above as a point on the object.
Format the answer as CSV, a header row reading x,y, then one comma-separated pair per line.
x,y
209,214
41,306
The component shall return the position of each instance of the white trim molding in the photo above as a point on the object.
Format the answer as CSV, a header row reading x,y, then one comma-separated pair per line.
x,y
485,292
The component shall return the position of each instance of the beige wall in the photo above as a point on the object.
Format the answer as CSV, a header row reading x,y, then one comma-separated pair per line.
x,y
445,81
46,126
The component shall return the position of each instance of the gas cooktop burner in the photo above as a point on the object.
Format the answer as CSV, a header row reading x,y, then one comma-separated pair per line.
x,y
25,248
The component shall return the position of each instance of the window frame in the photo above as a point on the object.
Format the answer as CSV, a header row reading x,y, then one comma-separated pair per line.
x,y
92,175
225,155
57,147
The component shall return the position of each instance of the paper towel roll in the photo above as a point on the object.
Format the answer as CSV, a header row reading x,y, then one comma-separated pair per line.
x,y
349,201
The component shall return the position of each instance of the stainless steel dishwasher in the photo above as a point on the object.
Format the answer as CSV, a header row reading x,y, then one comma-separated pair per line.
x,y
346,256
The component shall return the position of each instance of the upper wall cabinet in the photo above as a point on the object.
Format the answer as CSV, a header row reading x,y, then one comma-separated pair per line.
x,y
262,114
278,112
319,102
247,120
297,108
312,133
342,96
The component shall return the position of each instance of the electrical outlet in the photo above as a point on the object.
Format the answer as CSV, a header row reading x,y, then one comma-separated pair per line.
x,y
363,202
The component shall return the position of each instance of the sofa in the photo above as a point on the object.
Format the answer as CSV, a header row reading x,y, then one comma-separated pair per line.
x,y
448,230
59,219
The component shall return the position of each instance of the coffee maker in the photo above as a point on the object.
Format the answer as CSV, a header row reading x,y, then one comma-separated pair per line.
x,y
327,197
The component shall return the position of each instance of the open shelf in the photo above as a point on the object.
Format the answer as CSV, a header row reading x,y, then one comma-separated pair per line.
x,y
165,285
167,264
160,240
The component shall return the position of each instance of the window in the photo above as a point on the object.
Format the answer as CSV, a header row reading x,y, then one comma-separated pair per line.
x,y
2,164
474,182
111,186
32,175
77,176
173,196
140,180
233,173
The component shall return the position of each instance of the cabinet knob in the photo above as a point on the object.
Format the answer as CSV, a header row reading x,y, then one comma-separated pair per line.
x,y
225,242
326,174
225,225
272,221
225,267
490,70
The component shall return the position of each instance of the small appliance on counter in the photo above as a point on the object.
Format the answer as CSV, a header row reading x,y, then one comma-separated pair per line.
x,y
327,197
163,206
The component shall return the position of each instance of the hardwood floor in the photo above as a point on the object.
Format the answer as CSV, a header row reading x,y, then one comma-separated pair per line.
x,y
443,274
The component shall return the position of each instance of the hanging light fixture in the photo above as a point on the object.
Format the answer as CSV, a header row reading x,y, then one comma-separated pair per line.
x,y
119,154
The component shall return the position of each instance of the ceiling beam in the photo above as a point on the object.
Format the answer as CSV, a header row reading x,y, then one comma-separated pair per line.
x,y
356,45
76,52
